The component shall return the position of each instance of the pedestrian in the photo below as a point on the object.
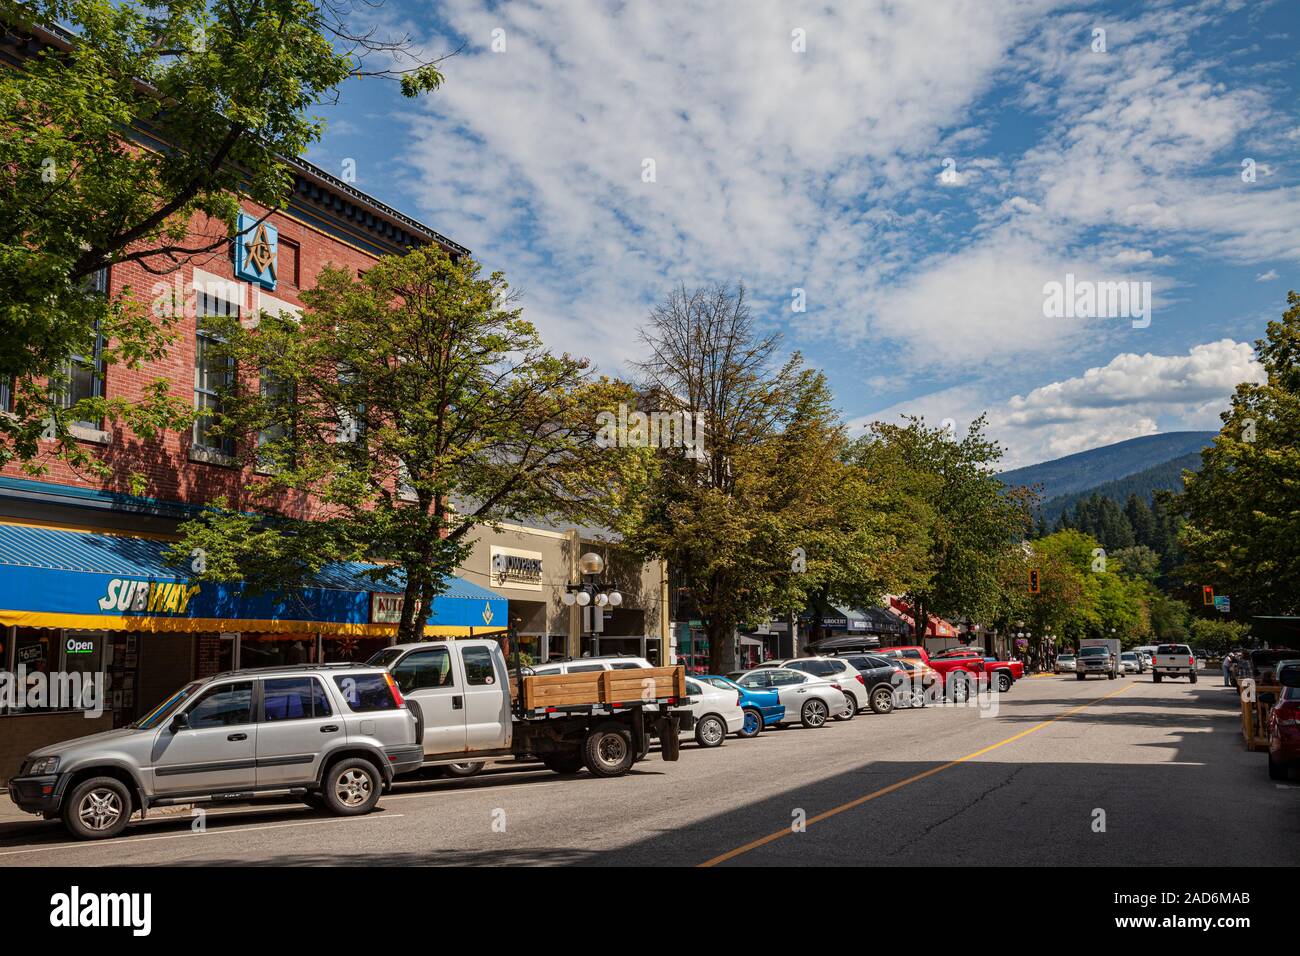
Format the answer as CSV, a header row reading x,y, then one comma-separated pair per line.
x,y
1227,670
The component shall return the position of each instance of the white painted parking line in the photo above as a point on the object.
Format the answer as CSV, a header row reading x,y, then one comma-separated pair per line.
x,y
126,841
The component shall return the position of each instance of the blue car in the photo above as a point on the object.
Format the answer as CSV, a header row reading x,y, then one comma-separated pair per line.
x,y
762,707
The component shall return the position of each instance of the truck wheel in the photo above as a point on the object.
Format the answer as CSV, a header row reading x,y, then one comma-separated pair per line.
x,y
463,769
1080,676
1110,676
710,730
607,751
352,787
882,700
97,809
1004,681
1193,677
753,725
567,762
814,713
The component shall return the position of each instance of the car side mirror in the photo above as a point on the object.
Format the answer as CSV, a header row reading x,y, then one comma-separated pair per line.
x,y
1268,697
180,722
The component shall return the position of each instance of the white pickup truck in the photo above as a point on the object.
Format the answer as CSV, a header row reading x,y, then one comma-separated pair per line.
x,y
1173,660
471,709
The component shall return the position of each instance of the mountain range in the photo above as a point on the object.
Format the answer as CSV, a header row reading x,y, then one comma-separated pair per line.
x,y
1138,466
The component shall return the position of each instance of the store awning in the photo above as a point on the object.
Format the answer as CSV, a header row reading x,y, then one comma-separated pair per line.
x,y
935,627
57,578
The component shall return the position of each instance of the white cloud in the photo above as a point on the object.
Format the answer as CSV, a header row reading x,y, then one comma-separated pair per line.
x,y
771,165
1129,396
821,170
1268,276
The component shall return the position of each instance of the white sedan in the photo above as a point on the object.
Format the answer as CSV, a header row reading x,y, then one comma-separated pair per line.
x,y
808,699
717,712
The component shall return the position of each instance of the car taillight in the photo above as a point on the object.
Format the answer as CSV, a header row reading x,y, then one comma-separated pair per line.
x,y
1287,714
1192,661
861,680
398,699
836,686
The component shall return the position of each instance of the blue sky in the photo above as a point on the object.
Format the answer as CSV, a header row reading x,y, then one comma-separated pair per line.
x,y
823,170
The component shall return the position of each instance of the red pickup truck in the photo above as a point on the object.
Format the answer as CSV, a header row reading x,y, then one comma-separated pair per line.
x,y
1002,673
969,666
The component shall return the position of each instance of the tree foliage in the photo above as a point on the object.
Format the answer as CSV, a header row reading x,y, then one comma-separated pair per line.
x,y
971,522
1243,507
405,409
136,145
729,523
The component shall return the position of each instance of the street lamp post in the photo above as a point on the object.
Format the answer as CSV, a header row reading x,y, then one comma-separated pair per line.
x,y
591,590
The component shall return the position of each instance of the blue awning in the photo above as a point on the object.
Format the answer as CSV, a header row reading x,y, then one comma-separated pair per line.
x,y
57,578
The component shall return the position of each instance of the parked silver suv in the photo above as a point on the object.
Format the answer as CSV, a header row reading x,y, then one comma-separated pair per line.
x,y
334,735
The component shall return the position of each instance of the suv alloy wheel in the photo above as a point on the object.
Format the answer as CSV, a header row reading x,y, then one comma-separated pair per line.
x,y
352,787
97,808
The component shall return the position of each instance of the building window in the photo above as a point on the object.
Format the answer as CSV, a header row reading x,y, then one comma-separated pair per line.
x,y
352,421
53,670
6,393
213,372
288,255
278,396
82,376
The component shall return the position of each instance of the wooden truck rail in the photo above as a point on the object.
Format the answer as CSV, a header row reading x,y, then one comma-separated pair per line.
x,y
1254,712
631,687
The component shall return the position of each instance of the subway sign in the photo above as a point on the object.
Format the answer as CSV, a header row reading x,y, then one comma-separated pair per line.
x,y
147,597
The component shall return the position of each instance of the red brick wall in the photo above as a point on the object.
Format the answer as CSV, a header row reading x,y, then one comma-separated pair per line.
x,y
164,463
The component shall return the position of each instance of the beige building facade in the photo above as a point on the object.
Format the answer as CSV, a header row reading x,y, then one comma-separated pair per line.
x,y
531,566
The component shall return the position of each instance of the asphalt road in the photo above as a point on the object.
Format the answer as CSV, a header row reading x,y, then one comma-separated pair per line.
x,y
1161,766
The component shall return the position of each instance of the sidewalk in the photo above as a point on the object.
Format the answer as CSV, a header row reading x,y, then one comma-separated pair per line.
x,y
11,814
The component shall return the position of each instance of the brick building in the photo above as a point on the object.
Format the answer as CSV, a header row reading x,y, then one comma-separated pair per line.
x,y
84,588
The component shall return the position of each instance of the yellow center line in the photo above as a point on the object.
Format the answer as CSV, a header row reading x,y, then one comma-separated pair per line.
x,y
835,811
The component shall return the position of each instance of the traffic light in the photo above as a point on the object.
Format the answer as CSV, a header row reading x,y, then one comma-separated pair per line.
x,y
1207,595
1033,580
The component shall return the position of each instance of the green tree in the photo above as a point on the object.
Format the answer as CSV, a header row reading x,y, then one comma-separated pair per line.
x,y
1243,525
135,144
871,539
405,409
1218,636
1139,561
729,522
971,522
1140,520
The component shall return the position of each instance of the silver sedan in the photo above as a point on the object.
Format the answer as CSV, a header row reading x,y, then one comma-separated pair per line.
x,y
808,699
